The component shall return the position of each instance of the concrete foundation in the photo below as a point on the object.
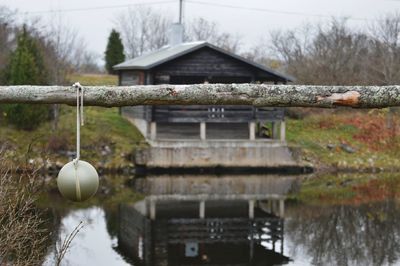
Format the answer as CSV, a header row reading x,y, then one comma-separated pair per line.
x,y
215,153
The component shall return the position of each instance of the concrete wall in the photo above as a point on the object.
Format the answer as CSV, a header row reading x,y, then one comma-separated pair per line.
x,y
236,150
223,185
137,115
213,153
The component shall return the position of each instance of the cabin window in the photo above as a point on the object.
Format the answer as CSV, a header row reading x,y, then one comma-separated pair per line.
x,y
129,78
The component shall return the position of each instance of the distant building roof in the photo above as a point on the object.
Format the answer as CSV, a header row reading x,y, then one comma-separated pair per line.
x,y
167,53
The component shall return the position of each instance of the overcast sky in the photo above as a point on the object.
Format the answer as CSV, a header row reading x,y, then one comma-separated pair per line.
x,y
260,17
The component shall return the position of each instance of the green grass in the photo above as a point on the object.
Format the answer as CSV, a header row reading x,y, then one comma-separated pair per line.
x,y
94,79
328,188
119,192
312,138
103,127
348,188
313,133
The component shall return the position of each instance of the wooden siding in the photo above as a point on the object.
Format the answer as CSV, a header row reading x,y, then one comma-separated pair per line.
x,y
223,230
214,114
209,63
214,131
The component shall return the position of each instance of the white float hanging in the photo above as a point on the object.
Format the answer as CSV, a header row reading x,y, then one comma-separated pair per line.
x,y
78,180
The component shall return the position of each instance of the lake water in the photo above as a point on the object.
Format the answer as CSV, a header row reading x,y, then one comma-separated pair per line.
x,y
209,220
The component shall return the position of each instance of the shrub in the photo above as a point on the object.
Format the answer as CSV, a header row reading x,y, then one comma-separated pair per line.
x,y
26,116
23,237
26,68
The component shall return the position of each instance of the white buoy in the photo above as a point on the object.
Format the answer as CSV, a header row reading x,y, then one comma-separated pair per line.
x,y
78,182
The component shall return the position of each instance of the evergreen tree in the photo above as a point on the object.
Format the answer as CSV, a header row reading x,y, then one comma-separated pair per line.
x,y
26,68
114,53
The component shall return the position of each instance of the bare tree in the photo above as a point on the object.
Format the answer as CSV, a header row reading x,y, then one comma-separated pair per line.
x,y
64,51
324,54
7,34
261,54
385,50
200,29
67,49
384,60
143,30
88,63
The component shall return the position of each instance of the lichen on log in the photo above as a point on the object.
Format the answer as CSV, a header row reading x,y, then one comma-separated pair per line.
x,y
210,94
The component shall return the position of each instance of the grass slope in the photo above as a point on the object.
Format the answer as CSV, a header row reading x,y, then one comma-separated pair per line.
x,y
107,139
376,146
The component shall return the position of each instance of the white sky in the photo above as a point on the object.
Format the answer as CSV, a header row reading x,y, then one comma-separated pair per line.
x,y
251,25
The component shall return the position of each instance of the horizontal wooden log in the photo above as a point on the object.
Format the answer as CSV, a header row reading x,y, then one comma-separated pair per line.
x,y
210,94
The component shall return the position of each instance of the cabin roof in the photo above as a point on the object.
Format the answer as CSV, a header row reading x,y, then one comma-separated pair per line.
x,y
168,53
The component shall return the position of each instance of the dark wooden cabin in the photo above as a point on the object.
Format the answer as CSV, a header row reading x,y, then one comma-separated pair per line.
x,y
193,63
226,236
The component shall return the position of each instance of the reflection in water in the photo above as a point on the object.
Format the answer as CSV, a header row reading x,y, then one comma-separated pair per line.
x,y
231,221
207,221
93,245
347,235
221,185
175,236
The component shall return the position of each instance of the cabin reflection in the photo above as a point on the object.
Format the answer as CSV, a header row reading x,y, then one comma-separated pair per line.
x,y
241,225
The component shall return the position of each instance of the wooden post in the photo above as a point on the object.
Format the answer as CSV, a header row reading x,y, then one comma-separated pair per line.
x,y
273,130
202,209
152,209
251,245
283,131
274,206
153,130
252,130
270,207
281,208
203,130
251,209
282,234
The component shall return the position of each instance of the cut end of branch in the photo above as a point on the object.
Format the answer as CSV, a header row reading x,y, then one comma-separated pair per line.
x,y
350,98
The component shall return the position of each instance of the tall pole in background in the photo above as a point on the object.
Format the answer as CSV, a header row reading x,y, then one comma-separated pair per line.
x,y
180,11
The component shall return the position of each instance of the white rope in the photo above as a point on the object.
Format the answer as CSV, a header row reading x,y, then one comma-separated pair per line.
x,y
79,123
79,117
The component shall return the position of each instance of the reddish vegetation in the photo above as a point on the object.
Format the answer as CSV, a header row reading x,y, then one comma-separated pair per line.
x,y
372,191
375,190
327,124
372,128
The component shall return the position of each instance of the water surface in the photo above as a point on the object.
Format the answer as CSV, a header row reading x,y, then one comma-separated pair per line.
x,y
364,234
